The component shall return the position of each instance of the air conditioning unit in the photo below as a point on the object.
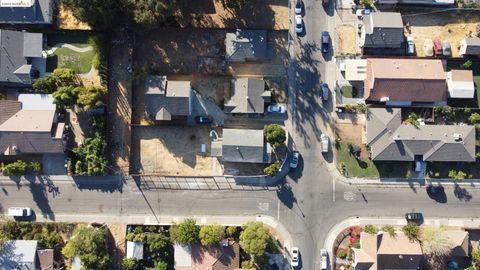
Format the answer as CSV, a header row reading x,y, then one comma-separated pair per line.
x,y
384,99
457,137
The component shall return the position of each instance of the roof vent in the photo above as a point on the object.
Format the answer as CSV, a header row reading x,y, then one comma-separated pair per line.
x,y
396,137
457,137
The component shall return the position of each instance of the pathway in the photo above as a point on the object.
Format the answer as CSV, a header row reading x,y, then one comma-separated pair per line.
x,y
69,46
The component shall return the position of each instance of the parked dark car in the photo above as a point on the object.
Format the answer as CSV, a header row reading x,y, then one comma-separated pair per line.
x,y
203,120
437,46
413,216
325,42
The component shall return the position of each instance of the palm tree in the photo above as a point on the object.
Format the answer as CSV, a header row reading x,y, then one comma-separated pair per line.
x,y
434,242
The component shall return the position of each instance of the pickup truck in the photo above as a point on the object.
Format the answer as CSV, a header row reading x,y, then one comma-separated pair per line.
x,y
325,143
323,259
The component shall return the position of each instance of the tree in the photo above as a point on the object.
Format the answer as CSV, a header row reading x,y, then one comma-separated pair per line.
x,y
46,84
231,231
474,118
366,3
185,233
370,229
131,264
254,238
49,238
412,119
64,77
476,255
66,96
35,166
90,245
233,4
389,229
98,14
91,97
16,168
434,242
412,231
211,234
157,244
274,134
150,13
272,169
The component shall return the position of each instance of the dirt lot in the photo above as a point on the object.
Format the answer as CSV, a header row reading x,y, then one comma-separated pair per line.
x,y
178,51
265,14
346,40
171,150
453,26
350,130
67,21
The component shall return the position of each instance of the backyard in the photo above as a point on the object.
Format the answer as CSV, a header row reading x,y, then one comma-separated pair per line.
x,y
475,67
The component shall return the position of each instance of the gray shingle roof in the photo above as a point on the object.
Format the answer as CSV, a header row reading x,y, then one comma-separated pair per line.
x,y
166,99
8,108
248,96
245,145
41,12
18,254
389,139
383,30
16,48
246,45
473,46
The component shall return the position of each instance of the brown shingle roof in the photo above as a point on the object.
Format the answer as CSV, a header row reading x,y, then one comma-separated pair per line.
x,y
8,108
405,80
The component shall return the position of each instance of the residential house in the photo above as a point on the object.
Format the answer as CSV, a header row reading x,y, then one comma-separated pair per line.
x,y
167,100
21,58
26,11
469,46
391,140
246,45
45,259
355,69
417,2
29,126
248,96
224,256
382,251
135,250
242,145
459,242
382,34
460,84
405,82
19,255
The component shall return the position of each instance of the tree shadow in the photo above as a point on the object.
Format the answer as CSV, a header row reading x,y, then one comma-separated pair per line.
x,y
250,14
461,194
286,196
40,197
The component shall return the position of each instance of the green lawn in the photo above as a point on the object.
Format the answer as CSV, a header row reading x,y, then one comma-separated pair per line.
x,y
64,57
347,91
367,168
476,80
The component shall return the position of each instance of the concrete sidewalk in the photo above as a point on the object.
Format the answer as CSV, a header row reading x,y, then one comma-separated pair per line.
x,y
394,221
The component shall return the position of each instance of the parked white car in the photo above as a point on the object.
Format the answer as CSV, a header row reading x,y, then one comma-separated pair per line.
x,y
298,7
275,108
410,46
325,143
19,211
295,257
323,259
298,24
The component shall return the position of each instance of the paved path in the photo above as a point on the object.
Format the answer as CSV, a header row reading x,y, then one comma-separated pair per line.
x,y
69,46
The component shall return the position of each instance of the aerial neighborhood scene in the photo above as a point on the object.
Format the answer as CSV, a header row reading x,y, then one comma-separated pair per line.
x,y
240,134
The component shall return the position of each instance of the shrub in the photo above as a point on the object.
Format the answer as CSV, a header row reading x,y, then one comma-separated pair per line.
x,y
370,229
357,244
389,229
412,119
341,253
274,134
467,110
408,174
211,234
474,118
468,64
412,231
35,166
186,232
272,169
456,175
16,168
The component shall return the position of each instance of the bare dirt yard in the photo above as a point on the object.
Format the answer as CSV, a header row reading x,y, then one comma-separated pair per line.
x,y
179,51
452,26
173,150
264,14
350,130
346,40
67,21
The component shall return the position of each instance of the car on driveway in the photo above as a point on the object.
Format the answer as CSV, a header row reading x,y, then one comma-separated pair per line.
x,y
413,216
325,42
323,259
325,92
437,47
203,119
298,24
294,161
275,108
410,46
295,257
298,7
447,48
428,47
362,12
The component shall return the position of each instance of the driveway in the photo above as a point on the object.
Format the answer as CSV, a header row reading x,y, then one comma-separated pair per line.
x,y
54,164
